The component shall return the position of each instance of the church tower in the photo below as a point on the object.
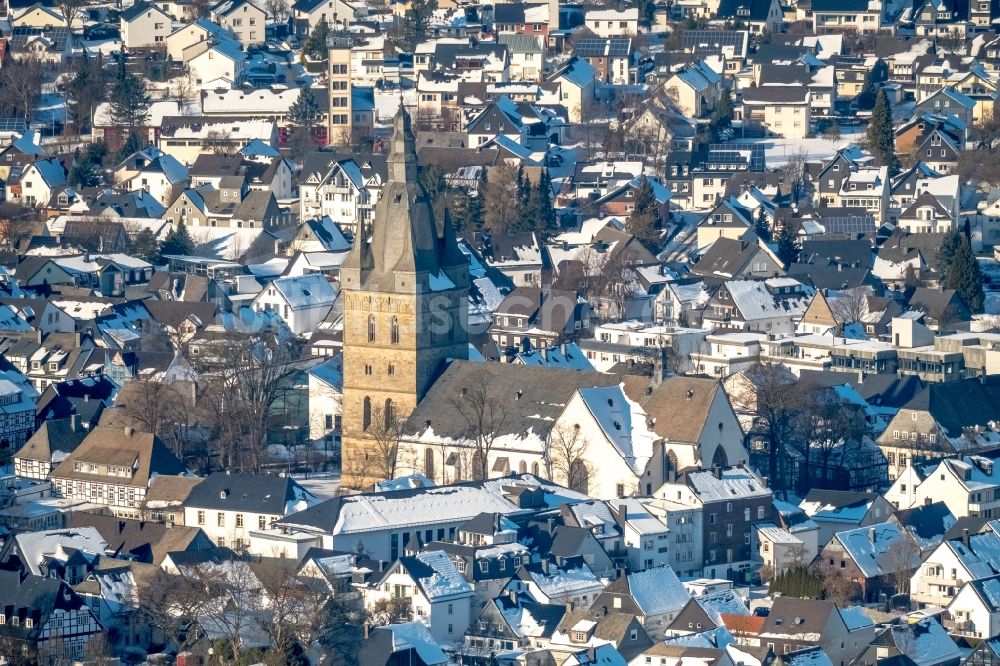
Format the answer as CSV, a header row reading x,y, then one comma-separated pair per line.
x,y
405,288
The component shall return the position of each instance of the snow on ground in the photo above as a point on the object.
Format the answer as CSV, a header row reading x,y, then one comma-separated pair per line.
x,y
778,151
322,484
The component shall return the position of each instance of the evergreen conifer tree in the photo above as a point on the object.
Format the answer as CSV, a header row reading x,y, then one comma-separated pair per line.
x,y
965,276
788,242
881,139
643,222
177,241
129,99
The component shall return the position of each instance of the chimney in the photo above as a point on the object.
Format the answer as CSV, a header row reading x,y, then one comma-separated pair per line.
x,y
717,471
544,351
965,536
78,339
927,501
367,629
564,349
871,534
74,423
545,565
129,430
661,365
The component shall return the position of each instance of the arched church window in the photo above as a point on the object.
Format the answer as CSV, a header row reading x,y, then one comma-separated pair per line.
x,y
371,328
366,416
394,331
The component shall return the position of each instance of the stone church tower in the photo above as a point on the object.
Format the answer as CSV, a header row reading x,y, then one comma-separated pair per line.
x,y
405,287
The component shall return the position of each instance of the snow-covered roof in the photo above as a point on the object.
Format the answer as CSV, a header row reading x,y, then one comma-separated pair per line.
x,y
879,549
623,422
657,591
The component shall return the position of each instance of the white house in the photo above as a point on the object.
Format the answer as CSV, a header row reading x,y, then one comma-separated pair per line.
x,y
229,507
969,486
303,301
40,180
326,392
954,563
223,63
975,610
613,22
645,536
144,25
436,592
243,19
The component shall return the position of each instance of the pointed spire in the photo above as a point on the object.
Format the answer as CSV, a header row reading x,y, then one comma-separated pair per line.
x,y
402,149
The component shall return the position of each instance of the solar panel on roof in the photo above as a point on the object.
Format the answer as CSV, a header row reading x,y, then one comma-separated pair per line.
x,y
851,224
12,125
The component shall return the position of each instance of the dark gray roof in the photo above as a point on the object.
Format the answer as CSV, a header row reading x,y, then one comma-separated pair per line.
x,y
251,493
839,498
889,390
929,522
776,94
844,6
533,396
961,404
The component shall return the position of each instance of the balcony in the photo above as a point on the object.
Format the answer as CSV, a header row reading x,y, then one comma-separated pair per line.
x,y
961,628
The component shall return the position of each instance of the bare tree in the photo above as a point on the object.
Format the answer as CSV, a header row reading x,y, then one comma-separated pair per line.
x,y
850,306
776,404
164,409
794,171
837,587
485,414
388,611
834,432
898,562
384,451
243,376
71,11
219,142
277,9
20,87
566,458
501,198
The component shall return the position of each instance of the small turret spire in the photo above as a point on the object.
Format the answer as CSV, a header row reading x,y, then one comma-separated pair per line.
x,y
402,149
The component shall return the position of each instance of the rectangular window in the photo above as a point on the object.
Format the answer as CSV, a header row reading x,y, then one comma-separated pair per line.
x,y
220,519
201,517
239,520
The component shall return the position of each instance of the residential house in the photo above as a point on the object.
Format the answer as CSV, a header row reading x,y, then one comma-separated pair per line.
x,y
532,317
220,64
874,557
863,17
760,16
302,302
576,79
344,189
610,57
794,624
838,510
612,23
695,89
434,590
45,449
113,467
941,420
732,500
243,19
45,619
39,181
144,25
974,611
229,507
967,556
654,596
785,111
